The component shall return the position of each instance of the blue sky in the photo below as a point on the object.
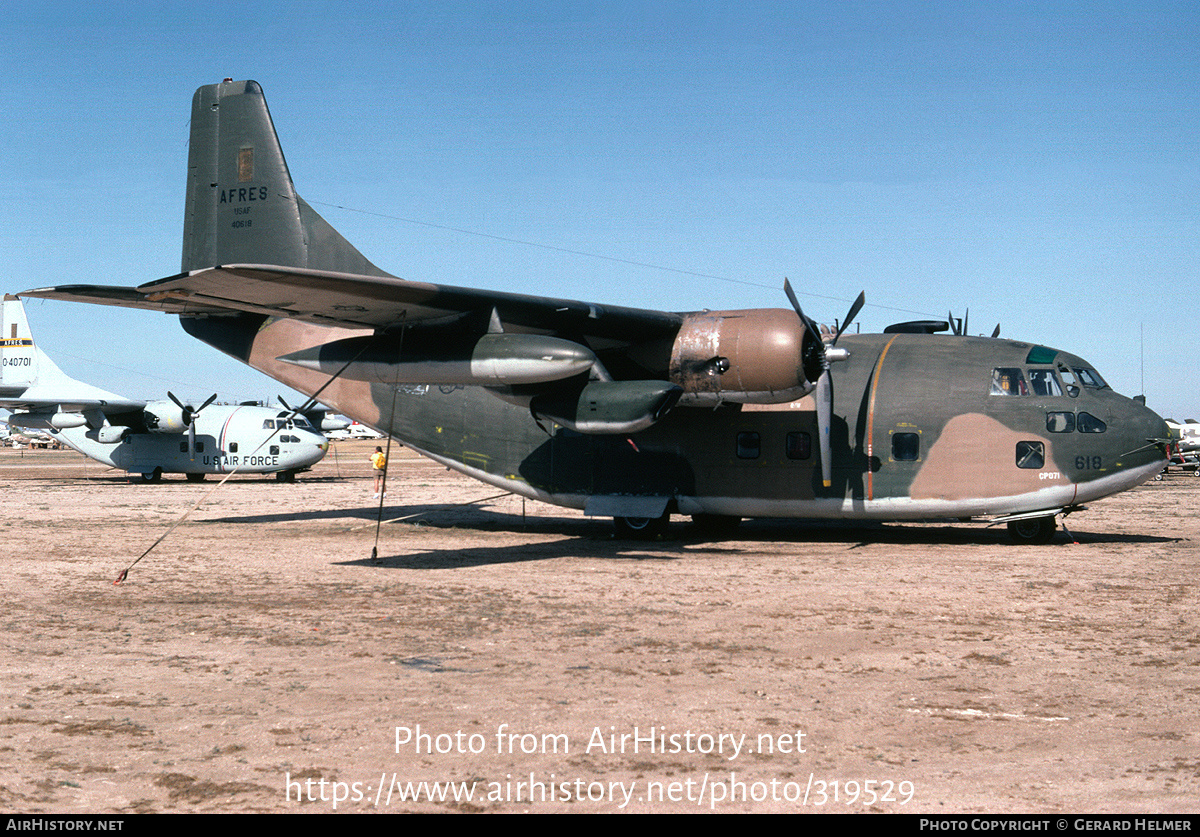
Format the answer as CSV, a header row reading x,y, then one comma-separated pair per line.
x,y
1036,163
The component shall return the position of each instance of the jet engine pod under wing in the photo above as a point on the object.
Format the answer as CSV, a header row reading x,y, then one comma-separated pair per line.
x,y
608,407
428,356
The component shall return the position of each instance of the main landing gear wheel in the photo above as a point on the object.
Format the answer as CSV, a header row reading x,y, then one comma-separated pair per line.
x,y
153,476
1034,530
195,477
285,476
641,528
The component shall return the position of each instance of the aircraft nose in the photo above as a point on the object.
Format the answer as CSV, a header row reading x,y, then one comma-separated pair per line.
x,y
1147,427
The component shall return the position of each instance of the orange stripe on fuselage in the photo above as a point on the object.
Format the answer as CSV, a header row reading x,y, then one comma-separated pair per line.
x,y
871,419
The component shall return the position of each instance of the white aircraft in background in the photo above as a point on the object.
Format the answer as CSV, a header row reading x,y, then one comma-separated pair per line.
x,y
353,430
150,438
1188,434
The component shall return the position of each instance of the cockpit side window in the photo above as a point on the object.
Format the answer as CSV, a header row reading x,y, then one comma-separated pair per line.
x,y
1069,379
268,424
1044,382
1008,380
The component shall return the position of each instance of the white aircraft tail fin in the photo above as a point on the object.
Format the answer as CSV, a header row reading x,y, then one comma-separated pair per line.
x,y
21,363
27,373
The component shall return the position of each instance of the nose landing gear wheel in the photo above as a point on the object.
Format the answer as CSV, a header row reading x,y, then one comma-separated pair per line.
x,y
1035,530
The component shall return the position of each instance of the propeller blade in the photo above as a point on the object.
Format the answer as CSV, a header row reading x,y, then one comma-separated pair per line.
x,y
192,440
859,302
210,400
996,330
824,397
791,295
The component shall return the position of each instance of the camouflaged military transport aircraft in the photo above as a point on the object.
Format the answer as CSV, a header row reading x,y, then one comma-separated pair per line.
x,y
632,413
149,438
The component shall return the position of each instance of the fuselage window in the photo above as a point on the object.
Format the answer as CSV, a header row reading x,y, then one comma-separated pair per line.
x,y
183,447
1060,422
1008,381
1087,423
274,450
233,447
269,424
1031,454
1044,382
199,447
906,447
748,445
798,445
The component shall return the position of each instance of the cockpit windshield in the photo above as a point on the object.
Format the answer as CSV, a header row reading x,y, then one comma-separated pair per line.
x,y
1090,378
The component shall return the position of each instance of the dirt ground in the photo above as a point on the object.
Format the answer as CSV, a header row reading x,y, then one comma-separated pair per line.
x,y
259,659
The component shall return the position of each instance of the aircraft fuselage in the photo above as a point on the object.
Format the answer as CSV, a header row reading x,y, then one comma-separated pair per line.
x,y
925,426
226,438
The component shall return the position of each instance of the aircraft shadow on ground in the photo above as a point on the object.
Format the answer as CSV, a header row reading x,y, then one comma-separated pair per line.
x,y
593,538
591,531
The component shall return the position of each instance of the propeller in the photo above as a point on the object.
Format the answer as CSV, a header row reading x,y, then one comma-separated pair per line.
x,y
824,388
189,418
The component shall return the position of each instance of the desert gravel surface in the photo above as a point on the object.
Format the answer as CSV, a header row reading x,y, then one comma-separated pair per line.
x,y
505,656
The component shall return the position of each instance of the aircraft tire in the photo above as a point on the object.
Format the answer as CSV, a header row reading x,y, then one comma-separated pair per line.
x,y
641,528
195,477
285,476
153,476
1036,530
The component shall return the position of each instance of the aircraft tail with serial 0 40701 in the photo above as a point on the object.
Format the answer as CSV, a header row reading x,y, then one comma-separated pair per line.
x,y
625,412
148,438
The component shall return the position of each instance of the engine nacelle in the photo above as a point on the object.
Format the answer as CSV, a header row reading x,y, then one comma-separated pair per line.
x,y
604,407
166,417
757,356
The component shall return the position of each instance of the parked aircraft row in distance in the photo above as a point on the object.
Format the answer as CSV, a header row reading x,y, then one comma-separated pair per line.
x,y
626,412
149,438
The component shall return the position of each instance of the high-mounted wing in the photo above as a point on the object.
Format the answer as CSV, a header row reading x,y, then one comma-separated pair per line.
x,y
353,300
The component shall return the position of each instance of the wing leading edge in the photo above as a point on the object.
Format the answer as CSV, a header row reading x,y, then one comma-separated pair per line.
x,y
359,301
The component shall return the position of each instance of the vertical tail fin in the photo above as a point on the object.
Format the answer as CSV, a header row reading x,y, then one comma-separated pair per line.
x,y
25,370
18,357
242,207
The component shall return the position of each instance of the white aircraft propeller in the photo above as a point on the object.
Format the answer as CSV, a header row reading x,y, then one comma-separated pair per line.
x,y
189,418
